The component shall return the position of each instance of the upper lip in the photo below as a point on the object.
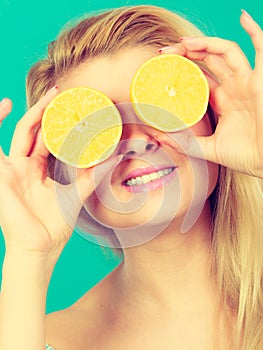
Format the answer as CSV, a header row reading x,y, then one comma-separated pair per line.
x,y
147,170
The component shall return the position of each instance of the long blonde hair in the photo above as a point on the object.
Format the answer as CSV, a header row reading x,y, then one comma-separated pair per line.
x,y
237,238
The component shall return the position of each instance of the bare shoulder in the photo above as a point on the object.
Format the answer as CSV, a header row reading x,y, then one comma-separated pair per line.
x,y
77,326
58,328
72,328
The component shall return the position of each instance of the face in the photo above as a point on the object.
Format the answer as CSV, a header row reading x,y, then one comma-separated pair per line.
x,y
154,184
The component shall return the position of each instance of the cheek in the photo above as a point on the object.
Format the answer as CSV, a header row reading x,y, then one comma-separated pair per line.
x,y
199,180
213,171
202,128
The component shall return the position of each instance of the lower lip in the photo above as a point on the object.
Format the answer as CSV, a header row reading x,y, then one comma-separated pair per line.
x,y
152,185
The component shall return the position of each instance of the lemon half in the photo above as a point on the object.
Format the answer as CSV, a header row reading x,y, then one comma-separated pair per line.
x,y
170,93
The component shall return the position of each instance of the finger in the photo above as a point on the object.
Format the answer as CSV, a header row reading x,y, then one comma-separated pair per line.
x,y
5,108
39,148
194,56
198,146
24,134
230,51
91,178
176,49
217,65
256,34
2,155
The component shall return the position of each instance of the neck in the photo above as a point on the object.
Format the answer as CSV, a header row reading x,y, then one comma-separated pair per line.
x,y
173,270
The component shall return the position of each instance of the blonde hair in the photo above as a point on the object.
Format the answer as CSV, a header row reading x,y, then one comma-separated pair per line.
x,y
237,238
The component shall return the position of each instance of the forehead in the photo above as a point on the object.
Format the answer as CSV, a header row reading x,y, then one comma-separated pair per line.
x,y
111,75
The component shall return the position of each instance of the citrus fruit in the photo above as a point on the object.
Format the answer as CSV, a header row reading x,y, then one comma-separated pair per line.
x,y
170,92
81,127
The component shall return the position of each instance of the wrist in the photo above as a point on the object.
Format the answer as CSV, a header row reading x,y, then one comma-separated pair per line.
x,y
25,280
33,265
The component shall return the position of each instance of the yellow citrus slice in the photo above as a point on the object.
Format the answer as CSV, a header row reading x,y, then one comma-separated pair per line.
x,y
81,127
170,93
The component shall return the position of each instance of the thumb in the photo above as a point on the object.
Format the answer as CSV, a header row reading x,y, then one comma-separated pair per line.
x,y
91,178
70,198
197,146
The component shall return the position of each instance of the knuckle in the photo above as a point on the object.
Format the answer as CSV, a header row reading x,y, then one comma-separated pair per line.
x,y
209,59
25,124
20,124
232,45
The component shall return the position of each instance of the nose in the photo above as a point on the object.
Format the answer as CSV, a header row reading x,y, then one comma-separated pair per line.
x,y
137,140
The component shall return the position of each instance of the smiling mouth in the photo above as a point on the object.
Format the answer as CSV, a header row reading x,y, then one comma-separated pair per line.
x,y
147,178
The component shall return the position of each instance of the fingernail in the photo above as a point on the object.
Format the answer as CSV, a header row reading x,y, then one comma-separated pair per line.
x,y
246,13
52,89
164,49
3,101
182,139
186,38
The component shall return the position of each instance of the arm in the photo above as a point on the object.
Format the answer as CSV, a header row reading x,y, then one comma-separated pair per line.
x,y
23,299
37,220
26,273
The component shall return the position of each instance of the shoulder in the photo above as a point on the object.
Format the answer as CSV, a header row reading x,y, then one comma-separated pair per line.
x,y
60,329
79,324
72,328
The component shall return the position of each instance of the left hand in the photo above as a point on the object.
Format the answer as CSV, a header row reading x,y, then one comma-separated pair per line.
x,y
237,99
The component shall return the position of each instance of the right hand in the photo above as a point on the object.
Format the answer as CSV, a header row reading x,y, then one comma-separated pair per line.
x,y
30,212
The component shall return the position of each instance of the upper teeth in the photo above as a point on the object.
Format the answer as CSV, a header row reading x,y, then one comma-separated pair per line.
x,y
144,179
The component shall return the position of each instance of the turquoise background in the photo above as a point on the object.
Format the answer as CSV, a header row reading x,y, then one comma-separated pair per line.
x,y
26,27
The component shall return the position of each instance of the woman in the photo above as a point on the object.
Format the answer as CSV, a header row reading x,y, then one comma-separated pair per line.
x,y
197,290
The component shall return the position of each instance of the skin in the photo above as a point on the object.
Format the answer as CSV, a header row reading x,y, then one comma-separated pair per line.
x,y
163,295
